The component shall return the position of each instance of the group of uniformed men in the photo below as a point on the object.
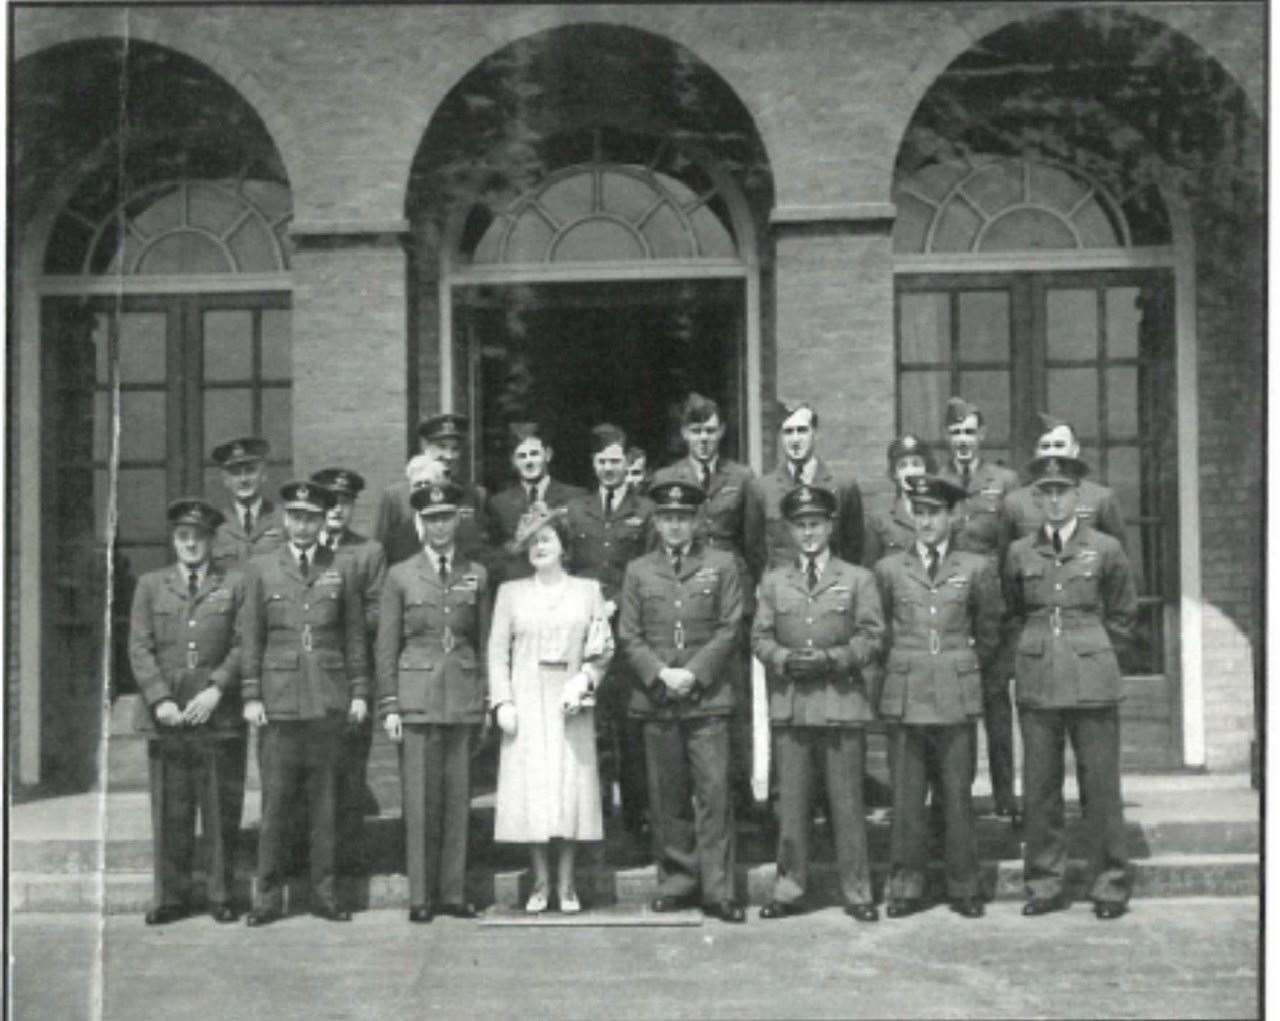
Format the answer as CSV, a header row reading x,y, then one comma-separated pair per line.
x,y
918,615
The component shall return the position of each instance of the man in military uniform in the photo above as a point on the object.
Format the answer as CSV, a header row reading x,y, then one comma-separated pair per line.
x,y
944,631
1071,601
441,439
639,478
768,537
891,529
1097,506
353,799
531,458
981,523
432,636
818,630
721,524
305,676
609,527
680,621
185,655
251,523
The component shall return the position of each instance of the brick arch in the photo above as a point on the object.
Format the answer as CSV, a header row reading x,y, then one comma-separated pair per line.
x,y
218,59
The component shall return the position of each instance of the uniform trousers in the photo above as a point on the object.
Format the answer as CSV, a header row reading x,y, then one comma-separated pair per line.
x,y
690,809
839,754
298,757
622,756
351,795
921,751
997,718
435,770
189,773
1095,739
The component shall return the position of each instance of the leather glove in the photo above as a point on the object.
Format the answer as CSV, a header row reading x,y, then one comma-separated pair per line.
x,y
807,665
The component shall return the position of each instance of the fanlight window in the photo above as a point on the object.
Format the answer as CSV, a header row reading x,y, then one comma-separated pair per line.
x,y
1004,205
616,212
189,227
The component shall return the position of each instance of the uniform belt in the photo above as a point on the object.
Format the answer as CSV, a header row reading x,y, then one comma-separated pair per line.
x,y
934,642
1059,615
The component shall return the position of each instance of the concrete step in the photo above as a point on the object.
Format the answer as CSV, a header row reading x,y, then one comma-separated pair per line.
x,y
126,892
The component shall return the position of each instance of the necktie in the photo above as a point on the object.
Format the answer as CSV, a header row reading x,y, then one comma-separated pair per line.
x,y
444,569
248,519
302,563
706,474
193,582
811,573
933,563
964,475
1057,541
533,494
608,502
675,561
796,471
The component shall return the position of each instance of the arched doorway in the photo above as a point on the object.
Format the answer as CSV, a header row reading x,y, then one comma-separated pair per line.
x,y
161,290
596,258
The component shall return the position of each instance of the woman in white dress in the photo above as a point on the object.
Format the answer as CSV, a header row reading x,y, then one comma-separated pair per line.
x,y
549,646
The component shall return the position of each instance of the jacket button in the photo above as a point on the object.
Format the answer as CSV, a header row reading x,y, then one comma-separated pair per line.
x,y
1058,587
810,643
191,645
306,606
933,609
191,623
677,603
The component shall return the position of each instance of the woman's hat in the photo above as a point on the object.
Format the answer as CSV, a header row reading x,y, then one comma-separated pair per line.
x,y
534,520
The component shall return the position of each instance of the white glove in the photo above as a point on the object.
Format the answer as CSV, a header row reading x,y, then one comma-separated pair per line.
x,y
575,692
506,716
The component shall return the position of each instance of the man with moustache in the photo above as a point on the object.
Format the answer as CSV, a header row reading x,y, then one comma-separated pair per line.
x,y
251,524
531,457
440,440
305,676
185,655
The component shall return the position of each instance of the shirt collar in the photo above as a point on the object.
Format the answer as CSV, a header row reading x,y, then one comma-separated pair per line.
x,y
619,494
539,487
819,562
807,470
922,551
697,465
683,551
974,465
202,572
1066,531
434,556
297,552
254,505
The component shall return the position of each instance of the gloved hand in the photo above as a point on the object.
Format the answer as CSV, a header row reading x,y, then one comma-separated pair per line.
x,y
807,665
574,695
506,717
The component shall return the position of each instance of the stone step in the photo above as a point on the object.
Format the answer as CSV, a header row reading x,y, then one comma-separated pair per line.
x,y
126,892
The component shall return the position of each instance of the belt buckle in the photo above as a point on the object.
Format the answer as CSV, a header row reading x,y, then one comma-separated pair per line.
x,y
306,637
935,642
193,659
1055,620
446,639
679,636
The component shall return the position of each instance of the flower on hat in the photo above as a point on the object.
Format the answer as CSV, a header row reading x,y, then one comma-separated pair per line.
x,y
537,517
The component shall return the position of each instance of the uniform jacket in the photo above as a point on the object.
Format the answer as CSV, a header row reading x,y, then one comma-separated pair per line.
x,y
1097,508
1065,614
505,510
395,529
692,621
232,548
890,529
981,522
943,636
370,562
179,645
843,616
722,518
601,547
303,640
431,639
769,542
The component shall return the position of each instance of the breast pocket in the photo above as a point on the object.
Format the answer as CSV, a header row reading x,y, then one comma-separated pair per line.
x,y
326,607
280,610
1083,586
279,680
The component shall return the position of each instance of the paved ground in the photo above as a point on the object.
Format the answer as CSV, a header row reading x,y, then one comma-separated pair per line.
x,y
1169,958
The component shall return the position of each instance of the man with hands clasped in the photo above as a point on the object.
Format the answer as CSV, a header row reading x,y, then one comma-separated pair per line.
x,y
680,620
433,624
305,675
818,631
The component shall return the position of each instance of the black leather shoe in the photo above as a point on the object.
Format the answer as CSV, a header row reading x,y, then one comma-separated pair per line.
x,y
664,904
331,913
1109,910
968,907
224,913
261,916
727,911
780,909
1044,905
862,912
463,910
900,907
421,915
165,914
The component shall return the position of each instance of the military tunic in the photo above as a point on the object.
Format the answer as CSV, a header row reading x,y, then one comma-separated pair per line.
x,y
1098,508
179,645
394,525
943,634
233,548
1067,612
890,529
768,536
822,718
432,673
983,524
693,621
304,656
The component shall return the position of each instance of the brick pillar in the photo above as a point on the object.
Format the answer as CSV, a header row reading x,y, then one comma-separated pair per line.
x,y
350,353
834,295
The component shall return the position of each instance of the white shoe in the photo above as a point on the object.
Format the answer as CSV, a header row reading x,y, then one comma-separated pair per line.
x,y
569,904
537,902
